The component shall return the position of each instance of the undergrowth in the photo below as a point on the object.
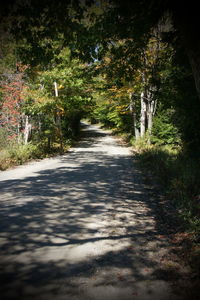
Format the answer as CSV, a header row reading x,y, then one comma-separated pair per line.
x,y
17,154
179,176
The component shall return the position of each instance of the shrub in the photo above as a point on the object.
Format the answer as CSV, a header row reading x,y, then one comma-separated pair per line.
x,y
164,132
16,154
3,138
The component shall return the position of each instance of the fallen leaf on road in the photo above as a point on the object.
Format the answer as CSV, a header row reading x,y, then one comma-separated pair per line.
x,y
120,277
146,270
130,248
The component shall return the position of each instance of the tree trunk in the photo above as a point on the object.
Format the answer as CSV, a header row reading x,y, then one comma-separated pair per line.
x,y
151,109
59,130
142,115
56,89
150,119
58,120
194,58
18,133
27,130
134,116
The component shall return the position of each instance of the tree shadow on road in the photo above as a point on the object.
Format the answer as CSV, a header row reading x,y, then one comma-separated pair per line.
x,y
89,220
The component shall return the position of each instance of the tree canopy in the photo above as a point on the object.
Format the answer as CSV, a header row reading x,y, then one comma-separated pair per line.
x,y
134,59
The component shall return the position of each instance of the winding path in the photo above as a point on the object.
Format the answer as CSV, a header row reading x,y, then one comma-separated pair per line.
x,y
81,226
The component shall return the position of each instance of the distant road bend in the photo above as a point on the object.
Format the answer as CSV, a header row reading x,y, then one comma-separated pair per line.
x,y
80,226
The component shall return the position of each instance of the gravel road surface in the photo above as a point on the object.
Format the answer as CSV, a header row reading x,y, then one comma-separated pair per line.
x,y
81,226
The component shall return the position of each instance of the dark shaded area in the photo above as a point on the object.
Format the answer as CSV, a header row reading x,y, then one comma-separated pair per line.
x,y
58,204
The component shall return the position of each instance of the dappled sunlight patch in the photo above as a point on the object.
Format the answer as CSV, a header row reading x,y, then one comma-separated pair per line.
x,y
78,217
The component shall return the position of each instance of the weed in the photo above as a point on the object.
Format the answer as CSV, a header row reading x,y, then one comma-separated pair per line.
x,y
180,178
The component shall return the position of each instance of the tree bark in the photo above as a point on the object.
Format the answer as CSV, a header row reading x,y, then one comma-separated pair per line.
x,y
150,119
27,130
56,89
134,116
18,133
194,58
59,130
142,115
151,109
151,105
58,120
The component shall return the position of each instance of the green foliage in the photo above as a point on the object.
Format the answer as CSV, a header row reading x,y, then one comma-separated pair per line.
x,y
54,119
114,115
101,113
21,153
7,49
178,93
141,143
16,154
3,138
61,114
164,132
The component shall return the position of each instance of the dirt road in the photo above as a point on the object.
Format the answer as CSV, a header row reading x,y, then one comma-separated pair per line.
x,y
81,226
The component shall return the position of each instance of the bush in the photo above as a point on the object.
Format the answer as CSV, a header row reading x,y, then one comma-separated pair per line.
x,y
16,154
164,132
3,138
22,153
5,160
185,187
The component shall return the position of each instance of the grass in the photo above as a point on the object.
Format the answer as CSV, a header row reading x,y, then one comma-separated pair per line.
x,y
17,154
179,176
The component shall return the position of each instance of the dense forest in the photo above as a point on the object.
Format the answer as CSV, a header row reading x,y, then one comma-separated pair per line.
x,y
133,66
